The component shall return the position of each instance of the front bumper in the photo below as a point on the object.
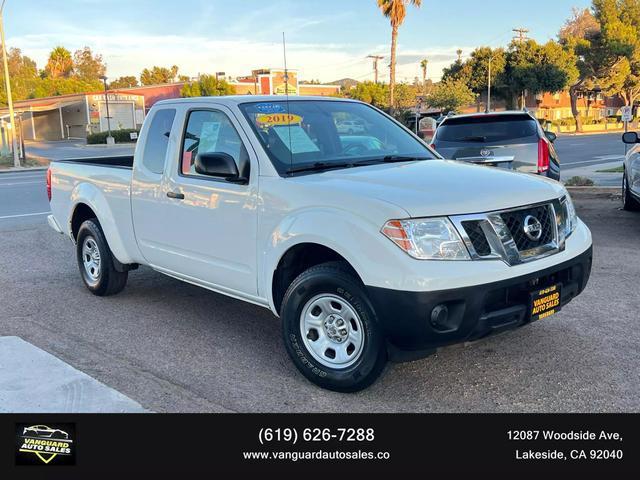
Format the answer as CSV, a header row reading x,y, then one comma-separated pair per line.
x,y
474,312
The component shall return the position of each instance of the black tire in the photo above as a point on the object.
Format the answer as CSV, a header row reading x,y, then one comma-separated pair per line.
x,y
107,280
628,202
334,279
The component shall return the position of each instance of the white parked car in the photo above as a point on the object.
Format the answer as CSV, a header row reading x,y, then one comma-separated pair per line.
x,y
368,248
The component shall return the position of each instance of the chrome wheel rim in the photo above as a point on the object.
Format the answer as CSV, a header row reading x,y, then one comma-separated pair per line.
x,y
91,260
332,331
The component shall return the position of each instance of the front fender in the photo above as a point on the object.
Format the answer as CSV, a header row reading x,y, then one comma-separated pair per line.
x,y
114,215
354,238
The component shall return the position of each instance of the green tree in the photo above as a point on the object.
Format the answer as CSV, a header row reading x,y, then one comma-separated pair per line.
x,y
124,82
602,43
23,74
48,86
620,32
396,12
207,86
158,75
451,95
87,66
536,68
60,63
376,94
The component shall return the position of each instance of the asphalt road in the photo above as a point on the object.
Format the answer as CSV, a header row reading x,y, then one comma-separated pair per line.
x,y
576,151
174,347
67,149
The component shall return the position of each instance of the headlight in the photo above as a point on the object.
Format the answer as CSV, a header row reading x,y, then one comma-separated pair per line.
x,y
427,239
571,217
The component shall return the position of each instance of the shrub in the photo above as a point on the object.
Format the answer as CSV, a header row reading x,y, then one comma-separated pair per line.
x,y
120,136
579,182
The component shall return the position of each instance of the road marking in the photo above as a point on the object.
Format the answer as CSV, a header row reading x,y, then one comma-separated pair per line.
x,y
25,215
609,158
20,183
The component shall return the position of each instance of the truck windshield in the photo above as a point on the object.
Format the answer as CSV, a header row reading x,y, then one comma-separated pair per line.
x,y
306,135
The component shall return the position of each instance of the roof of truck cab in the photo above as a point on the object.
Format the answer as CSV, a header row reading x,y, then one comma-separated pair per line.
x,y
239,99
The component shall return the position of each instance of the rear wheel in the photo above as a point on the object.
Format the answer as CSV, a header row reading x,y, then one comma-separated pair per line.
x,y
96,263
330,330
628,202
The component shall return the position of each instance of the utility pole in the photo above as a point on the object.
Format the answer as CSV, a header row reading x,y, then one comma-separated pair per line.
x,y
110,139
521,34
489,86
521,37
12,120
376,59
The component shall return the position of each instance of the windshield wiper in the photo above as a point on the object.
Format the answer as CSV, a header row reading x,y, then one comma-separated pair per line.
x,y
320,166
476,138
392,159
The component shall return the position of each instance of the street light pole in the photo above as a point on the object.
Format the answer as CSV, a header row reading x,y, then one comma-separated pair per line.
x,y
106,99
12,120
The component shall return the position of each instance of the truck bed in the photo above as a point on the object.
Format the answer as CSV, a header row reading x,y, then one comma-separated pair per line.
x,y
121,161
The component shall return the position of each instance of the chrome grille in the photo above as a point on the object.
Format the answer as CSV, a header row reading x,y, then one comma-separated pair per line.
x,y
477,237
502,235
515,223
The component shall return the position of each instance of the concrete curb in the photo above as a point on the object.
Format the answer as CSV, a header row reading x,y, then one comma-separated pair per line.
x,y
611,192
574,134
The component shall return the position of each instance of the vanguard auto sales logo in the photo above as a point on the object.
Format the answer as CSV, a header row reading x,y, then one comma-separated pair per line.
x,y
51,444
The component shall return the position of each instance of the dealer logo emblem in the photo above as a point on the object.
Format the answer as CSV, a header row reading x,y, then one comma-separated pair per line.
x,y
45,444
532,228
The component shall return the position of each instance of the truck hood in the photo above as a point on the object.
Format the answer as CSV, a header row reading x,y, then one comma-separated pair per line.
x,y
437,187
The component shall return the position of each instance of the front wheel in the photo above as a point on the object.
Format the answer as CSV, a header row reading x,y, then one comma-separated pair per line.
x,y
95,261
330,330
628,202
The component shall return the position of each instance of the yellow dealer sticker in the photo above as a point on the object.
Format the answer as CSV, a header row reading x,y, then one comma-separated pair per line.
x,y
279,119
545,303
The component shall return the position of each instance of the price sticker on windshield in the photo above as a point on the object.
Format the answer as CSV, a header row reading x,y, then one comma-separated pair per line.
x,y
279,119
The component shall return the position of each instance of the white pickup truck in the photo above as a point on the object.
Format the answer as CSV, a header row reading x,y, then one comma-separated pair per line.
x,y
367,245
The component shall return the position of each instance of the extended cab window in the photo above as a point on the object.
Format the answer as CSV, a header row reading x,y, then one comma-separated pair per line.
x,y
210,131
155,150
307,132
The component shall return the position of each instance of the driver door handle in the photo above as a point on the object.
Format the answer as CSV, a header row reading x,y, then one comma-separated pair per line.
x,y
175,195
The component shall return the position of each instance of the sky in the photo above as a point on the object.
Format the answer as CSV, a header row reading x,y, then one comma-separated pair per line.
x,y
326,39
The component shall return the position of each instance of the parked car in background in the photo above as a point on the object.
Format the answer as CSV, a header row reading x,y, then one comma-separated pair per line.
x,y
350,127
631,175
511,140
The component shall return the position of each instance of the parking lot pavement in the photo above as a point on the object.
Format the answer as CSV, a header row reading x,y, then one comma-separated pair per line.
x,y
173,347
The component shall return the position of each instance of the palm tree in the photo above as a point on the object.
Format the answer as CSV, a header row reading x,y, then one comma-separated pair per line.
x,y
423,65
395,11
60,63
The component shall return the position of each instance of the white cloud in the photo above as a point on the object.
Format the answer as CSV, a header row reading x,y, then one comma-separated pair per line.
x,y
128,54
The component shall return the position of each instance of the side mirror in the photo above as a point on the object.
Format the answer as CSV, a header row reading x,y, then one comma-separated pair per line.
x,y
218,164
552,137
630,137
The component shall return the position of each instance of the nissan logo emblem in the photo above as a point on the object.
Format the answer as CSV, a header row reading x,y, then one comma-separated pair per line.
x,y
532,228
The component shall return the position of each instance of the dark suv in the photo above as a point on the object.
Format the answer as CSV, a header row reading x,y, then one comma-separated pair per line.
x,y
512,140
